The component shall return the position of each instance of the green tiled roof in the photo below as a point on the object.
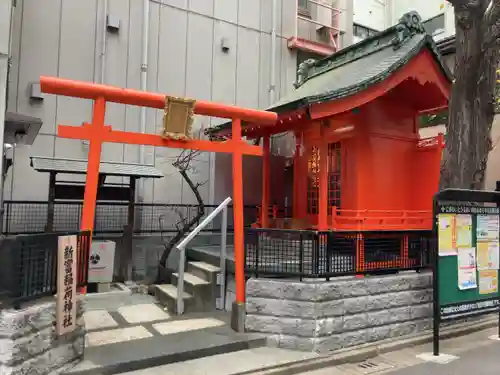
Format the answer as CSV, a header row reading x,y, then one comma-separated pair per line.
x,y
355,68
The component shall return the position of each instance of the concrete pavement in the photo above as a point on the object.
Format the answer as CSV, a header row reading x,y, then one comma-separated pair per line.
x,y
128,331
477,355
482,361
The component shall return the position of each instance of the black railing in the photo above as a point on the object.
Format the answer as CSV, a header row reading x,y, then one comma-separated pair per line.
x,y
310,254
30,217
28,266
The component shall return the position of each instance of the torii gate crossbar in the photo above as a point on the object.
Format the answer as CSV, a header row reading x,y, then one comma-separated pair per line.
x,y
98,133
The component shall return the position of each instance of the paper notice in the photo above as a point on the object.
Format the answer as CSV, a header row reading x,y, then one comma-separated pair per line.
x,y
488,227
463,230
488,256
467,257
467,278
488,282
446,223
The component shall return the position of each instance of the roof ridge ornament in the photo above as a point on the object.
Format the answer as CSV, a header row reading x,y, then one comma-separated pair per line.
x,y
303,72
409,25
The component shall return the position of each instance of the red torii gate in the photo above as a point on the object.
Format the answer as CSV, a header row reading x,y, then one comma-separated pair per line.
x,y
97,133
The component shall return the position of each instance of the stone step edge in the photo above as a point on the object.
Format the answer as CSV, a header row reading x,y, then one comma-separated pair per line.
x,y
204,266
171,291
366,351
191,279
146,363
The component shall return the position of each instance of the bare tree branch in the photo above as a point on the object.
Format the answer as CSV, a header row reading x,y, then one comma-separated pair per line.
x,y
184,164
492,13
470,4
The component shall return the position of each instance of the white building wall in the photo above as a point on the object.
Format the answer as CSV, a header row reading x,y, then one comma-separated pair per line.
x,y
380,14
64,37
370,13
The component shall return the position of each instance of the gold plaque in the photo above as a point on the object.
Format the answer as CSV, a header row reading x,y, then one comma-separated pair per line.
x,y
178,118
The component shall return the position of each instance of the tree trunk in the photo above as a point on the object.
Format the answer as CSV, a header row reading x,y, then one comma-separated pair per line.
x,y
471,109
186,226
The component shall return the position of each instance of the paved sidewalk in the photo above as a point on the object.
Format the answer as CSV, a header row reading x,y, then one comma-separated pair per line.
x,y
481,361
131,331
477,355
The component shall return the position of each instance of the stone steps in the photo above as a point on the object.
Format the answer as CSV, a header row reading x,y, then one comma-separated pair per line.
x,y
200,289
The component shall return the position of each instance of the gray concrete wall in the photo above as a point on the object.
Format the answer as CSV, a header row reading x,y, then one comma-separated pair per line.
x,y
325,316
29,345
64,38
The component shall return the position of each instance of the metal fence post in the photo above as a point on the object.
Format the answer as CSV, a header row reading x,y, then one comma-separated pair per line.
x,y
180,281
223,256
435,280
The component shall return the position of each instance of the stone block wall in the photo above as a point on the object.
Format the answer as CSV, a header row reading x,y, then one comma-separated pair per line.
x,y
323,315
29,345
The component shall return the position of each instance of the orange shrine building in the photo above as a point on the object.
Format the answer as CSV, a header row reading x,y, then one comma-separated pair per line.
x,y
359,165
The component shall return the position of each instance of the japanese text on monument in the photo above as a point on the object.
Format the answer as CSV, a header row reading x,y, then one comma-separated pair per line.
x,y
66,286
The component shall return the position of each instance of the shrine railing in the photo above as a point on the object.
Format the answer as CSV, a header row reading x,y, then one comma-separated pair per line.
x,y
431,142
375,220
30,217
311,254
28,266
349,220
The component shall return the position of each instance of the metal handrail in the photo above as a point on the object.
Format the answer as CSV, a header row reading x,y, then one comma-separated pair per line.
x,y
182,253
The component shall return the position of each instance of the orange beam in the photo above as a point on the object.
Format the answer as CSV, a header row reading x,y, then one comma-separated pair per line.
x,y
433,111
116,136
239,246
87,90
323,187
296,173
310,46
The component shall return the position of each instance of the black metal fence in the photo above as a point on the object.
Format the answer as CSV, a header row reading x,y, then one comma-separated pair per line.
x,y
30,217
28,266
310,254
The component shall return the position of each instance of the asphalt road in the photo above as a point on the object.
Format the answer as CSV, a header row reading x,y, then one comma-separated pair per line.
x,y
482,361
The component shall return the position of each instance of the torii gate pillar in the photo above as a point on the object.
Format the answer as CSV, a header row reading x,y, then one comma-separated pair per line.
x,y
98,133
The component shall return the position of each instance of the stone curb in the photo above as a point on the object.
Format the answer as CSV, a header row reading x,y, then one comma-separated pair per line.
x,y
367,351
168,358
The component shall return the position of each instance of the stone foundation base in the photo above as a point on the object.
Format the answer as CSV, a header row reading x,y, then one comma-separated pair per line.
x,y
29,345
323,316
238,317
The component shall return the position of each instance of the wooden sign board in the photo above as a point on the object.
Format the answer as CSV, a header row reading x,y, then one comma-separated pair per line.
x,y
178,118
66,284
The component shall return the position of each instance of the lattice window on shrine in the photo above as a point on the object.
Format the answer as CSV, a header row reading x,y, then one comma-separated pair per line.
x,y
313,181
334,173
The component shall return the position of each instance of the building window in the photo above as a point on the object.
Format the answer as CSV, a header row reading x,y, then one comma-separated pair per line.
x,y
303,8
363,32
434,25
303,5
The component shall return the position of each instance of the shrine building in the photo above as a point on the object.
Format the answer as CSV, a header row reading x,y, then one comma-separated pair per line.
x,y
359,165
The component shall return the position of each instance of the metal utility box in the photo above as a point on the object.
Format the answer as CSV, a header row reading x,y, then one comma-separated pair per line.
x,y
101,261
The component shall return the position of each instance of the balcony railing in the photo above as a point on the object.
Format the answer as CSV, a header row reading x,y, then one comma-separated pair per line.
x,y
322,16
